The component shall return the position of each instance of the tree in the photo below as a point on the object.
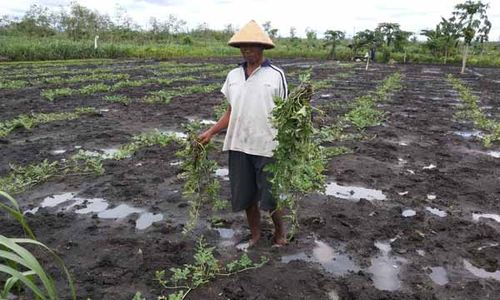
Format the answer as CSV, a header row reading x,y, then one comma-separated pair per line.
x,y
443,39
36,22
272,32
333,37
473,22
389,31
367,38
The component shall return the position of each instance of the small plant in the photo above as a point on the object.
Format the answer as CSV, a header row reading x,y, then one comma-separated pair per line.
x,y
94,88
204,269
200,186
145,140
365,113
162,96
122,99
52,94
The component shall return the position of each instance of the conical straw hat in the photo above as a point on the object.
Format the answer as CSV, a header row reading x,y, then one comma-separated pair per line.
x,y
251,33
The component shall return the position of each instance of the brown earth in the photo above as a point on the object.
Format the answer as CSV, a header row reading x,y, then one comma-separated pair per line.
x,y
111,259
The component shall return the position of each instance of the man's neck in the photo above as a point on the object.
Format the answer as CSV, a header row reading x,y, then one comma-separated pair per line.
x,y
252,67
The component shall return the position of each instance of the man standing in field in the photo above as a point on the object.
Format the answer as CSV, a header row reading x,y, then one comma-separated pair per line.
x,y
250,90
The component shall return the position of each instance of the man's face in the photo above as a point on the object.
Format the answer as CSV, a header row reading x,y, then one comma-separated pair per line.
x,y
252,53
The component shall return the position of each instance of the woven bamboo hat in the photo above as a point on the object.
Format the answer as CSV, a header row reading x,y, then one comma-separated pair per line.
x,y
251,33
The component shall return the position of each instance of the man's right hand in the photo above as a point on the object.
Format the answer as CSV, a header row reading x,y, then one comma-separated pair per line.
x,y
205,137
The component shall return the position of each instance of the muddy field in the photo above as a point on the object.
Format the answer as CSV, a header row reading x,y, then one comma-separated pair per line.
x,y
412,213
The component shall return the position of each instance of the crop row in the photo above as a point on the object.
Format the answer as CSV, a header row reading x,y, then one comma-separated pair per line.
x,y
35,119
470,110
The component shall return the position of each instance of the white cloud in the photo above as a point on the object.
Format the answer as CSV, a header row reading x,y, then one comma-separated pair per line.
x,y
320,15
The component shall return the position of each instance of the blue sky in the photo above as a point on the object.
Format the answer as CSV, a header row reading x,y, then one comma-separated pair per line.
x,y
349,16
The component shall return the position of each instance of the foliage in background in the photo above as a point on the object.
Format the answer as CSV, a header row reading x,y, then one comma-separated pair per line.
x,y
299,160
470,110
204,269
201,186
42,34
20,266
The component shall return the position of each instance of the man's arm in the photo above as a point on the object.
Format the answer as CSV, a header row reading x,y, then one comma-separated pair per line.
x,y
222,124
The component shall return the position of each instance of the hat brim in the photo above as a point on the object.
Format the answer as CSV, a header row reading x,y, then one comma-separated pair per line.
x,y
260,44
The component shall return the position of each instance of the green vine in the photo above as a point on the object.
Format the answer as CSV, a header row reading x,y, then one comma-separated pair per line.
x,y
200,186
204,269
299,159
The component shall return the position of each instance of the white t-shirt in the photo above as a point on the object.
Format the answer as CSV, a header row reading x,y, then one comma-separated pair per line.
x,y
252,100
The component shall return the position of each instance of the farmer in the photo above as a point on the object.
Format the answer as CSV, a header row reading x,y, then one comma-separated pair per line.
x,y
250,90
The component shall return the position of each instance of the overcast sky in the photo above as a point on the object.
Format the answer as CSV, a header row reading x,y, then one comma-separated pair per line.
x,y
347,15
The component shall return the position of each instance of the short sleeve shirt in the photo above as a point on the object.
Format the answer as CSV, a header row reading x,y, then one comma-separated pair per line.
x,y
250,128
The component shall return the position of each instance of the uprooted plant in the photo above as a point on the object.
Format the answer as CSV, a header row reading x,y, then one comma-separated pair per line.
x,y
204,269
200,186
299,159
19,266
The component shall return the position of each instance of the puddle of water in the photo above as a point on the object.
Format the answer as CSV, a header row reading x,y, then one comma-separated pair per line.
x,y
243,247
325,96
332,295
78,147
469,133
481,273
403,143
410,171
119,212
91,153
176,163
208,122
494,217
333,261
58,152
177,134
385,269
103,110
409,213
431,197
299,256
31,211
436,211
109,152
439,275
92,205
353,193
495,154
225,233
421,252
487,246
429,167
147,219
55,200
402,162
222,172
